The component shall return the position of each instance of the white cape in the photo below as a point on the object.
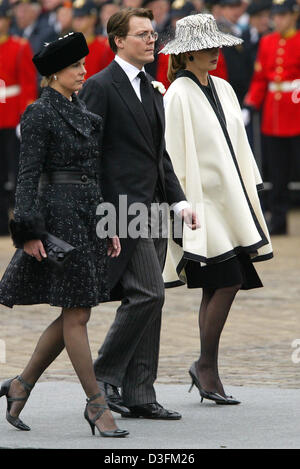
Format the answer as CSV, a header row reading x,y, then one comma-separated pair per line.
x,y
221,187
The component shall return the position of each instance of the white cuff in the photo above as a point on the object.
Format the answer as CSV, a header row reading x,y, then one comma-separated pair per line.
x,y
180,206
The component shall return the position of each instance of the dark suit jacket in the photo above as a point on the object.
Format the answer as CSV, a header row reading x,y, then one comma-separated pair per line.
x,y
131,164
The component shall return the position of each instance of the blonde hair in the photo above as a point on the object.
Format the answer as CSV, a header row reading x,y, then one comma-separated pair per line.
x,y
46,81
176,63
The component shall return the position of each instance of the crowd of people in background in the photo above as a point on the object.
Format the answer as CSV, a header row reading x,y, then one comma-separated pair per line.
x,y
264,72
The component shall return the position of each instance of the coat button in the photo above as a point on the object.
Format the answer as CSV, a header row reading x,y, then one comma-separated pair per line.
x,y
84,178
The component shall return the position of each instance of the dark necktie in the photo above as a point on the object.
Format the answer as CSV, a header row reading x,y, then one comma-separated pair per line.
x,y
147,97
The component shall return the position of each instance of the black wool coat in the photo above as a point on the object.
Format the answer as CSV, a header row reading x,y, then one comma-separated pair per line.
x,y
131,164
57,135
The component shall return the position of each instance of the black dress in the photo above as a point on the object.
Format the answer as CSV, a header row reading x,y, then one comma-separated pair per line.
x,y
238,270
57,135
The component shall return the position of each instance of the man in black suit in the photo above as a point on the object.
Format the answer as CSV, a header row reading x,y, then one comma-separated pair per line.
x,y
135,164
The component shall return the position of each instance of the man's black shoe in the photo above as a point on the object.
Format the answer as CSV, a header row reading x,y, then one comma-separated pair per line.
x,y
152,411
113,398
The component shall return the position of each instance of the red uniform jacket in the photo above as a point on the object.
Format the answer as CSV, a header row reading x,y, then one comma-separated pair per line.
x,y
221,70
162,69
277,66
99,57
18,80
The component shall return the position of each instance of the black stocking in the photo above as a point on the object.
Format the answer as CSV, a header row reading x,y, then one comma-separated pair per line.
x,y
213,313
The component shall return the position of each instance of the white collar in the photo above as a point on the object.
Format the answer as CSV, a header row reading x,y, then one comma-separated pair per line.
x,y
131,70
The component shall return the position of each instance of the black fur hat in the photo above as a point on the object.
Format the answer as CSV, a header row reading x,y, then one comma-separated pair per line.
x,y
61,53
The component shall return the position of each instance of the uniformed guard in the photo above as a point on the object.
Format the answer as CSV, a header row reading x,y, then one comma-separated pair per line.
x,y
107,8
84,20
259,25
30,24
17,89
236,66
276,88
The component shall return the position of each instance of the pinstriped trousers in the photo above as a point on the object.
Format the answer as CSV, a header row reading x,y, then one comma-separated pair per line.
x,y
128,357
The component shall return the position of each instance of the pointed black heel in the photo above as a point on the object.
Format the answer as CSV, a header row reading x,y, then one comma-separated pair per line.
x,y
103,407
5,387
192,385
212,396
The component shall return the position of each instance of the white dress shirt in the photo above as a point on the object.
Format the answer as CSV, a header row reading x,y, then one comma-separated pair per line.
x,y
132,73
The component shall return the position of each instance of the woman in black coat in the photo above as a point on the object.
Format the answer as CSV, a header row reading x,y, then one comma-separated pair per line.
x,y
58,192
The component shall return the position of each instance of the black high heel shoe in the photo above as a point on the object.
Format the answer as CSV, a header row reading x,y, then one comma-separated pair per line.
x,y
15,421
103,407
212,396
232,401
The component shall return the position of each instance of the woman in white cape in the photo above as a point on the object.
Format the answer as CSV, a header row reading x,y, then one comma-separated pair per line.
x,y
207,143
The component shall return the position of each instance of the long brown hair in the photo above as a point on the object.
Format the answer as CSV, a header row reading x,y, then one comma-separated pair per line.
x,y
176,63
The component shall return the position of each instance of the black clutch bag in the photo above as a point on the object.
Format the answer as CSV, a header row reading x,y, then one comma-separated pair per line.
x,y
58,251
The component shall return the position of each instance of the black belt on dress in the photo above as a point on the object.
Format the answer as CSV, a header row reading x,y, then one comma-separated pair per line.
x,y
66,177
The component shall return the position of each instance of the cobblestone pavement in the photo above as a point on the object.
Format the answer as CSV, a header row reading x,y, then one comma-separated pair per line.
x,y
256,346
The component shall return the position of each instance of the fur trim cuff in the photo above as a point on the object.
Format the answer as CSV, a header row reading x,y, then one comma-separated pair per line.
x,y
27,229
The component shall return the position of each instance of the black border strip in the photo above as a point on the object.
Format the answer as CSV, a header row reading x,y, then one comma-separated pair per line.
x,y
260,187
176,283
223,257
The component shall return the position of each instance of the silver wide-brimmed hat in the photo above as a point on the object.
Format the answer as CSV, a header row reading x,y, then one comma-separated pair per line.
x,y
196,32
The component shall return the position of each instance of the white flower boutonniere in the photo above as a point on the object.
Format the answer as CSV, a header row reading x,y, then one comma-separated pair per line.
x,y
158,86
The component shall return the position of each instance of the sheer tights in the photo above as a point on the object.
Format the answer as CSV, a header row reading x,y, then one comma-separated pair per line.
x,y
214,309
68,330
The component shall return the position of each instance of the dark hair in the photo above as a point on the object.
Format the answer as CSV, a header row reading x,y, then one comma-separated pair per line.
x,y
118,23
176,63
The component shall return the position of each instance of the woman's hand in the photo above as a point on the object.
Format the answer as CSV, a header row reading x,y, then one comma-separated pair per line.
x,y
35,249
190,218
114,246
